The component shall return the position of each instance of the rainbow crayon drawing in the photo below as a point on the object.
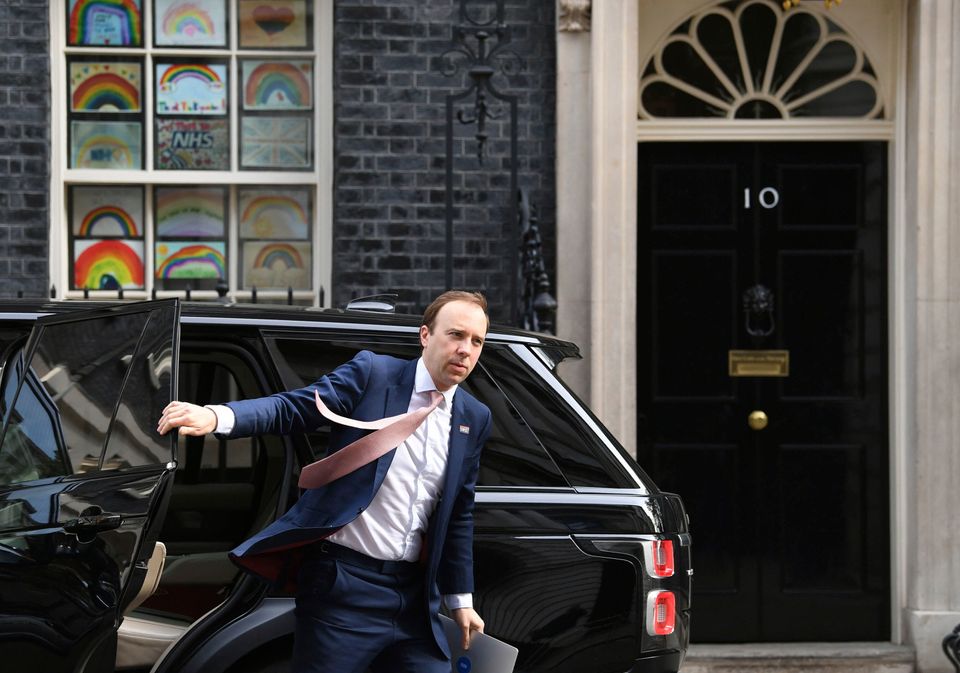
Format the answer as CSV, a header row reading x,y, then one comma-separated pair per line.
x,y
104,87
190,211
104,145
274,214
191,260
108,221
106,211
108,265
277,85
275,264
191,88
191,23
114,23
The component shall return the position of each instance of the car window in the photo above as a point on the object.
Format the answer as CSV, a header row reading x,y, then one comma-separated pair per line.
x,y
224,490
580,454
133,438
512,455
33,447
61,419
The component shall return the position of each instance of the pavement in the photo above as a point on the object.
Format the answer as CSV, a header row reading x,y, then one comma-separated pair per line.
x,y
802,658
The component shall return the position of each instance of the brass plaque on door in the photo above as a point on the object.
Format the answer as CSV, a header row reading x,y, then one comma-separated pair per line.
x,y
759,363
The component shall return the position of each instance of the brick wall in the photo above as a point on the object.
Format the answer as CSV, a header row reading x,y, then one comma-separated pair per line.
x,y
24,147
389,95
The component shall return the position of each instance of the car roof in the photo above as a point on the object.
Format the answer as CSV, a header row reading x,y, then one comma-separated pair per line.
x,y
279,315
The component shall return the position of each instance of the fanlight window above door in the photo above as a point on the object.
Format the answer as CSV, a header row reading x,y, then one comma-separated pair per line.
x,y
751,59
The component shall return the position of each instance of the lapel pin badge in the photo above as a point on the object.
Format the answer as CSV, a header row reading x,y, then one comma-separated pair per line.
x,y
465,429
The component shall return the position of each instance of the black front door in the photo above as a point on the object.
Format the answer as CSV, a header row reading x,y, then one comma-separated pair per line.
x,y
766,247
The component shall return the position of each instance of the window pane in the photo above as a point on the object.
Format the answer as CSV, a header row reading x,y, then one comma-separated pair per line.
x,y
190,23
275,212
106,237
105,111
191,88
32,448
275,235
97,86
191,212
277,85
108,23
62,414
582,457
187,218
133,437
192,126
193,144
112,145
747,59
282,143
282,24
107,264
107,210
512,456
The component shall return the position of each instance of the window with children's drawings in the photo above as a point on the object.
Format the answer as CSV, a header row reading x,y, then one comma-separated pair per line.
x,y
190,157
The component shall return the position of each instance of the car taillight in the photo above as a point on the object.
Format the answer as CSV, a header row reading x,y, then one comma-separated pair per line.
x,y
663,558
661,613
658,555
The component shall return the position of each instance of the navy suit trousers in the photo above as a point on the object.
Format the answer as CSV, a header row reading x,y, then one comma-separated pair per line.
x,y
352,617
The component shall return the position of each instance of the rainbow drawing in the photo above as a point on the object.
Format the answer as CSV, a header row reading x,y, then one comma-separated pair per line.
x,y
277,264
191,260
108,221
277,85
277,215
107,265
190,211
103,211
178,72
105,87
272,255
191,88
105,22
105,145
104,152
187,20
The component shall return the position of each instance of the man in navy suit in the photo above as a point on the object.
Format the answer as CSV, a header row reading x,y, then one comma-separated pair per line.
x,y
373,551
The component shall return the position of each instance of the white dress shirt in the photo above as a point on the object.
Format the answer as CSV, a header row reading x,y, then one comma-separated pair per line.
x,y
393,525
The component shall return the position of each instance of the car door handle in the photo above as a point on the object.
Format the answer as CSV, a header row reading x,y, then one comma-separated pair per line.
x,y
93,523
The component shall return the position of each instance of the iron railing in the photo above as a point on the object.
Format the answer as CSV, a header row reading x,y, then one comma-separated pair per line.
x,y
537,305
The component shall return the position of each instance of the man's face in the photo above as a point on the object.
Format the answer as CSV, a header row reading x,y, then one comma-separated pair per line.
x,y
452,348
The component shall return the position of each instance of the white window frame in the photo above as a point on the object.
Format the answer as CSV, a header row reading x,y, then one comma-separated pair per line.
x,y
320,178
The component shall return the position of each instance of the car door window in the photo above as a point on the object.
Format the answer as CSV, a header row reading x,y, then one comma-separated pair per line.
x,y
33,447
512,455
133,438
579,453
67,396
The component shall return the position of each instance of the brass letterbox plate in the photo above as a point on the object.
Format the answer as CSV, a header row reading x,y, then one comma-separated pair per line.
x,y
759,363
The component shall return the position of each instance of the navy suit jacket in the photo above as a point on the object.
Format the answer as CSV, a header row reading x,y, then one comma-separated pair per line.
x,y
367,388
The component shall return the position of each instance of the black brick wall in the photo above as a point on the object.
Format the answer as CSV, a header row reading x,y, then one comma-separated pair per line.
x,y
24,147
389,96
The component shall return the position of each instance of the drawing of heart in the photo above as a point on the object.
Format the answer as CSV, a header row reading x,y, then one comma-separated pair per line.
x,y
272,20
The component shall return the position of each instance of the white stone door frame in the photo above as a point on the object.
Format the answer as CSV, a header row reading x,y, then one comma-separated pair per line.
x,y
912,44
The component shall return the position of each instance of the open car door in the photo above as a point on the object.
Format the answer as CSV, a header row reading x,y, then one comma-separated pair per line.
x,y
84,480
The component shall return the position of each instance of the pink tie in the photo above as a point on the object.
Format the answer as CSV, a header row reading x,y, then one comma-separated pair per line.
x,y
390,433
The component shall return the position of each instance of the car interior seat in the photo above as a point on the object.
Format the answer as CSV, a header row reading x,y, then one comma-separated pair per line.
x,y
141,641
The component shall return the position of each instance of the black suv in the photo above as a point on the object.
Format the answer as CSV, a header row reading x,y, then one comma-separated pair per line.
x,y
114,540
